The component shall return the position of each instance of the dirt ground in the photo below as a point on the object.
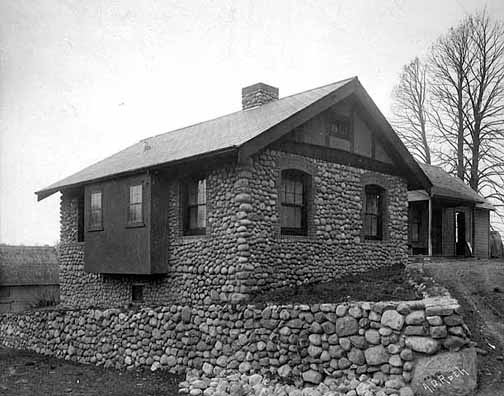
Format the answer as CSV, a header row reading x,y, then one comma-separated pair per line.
x,y
479,287
29,374
378,285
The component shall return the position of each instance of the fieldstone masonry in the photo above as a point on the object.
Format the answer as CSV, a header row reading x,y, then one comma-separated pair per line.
x,y
243,251
301,343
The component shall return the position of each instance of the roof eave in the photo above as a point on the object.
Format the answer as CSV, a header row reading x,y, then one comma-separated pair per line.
x,y
44,193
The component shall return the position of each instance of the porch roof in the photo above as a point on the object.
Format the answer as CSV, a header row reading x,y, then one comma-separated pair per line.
x,y
448,187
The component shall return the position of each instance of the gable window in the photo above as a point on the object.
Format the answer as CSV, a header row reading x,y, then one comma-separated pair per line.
x,y
293,202
195,207
339,128
135,206
373,212
96,211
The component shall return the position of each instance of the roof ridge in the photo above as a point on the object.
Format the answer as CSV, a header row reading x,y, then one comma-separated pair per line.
x,y
239,111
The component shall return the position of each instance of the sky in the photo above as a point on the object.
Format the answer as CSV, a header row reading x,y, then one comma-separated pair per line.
x,y
81,80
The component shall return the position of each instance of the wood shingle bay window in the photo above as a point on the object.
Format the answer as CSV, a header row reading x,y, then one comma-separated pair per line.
x,y
195,207
96,211
373,213
293,202
135,206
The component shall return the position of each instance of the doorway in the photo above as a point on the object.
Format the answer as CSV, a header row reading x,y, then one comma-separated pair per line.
x,y
460,240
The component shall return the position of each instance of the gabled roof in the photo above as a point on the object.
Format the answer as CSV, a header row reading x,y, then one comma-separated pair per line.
x,y
448,186
28,265
245,130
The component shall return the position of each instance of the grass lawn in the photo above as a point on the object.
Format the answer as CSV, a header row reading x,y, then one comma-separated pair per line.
x,y
30,374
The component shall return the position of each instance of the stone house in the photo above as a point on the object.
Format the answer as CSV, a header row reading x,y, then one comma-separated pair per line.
x,y
286,191
450,220
28,277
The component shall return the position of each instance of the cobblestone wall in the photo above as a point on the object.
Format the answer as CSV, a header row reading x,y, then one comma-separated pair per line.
x,y
294,342
335,244
243,250
202,269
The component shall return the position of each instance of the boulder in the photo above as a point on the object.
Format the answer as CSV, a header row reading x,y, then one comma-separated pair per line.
x,y
376,355
422,344
372,336
315,339
415,318
392,319
438,331
448,373
328,327
312,376
284,371
346,325
454,343
356,356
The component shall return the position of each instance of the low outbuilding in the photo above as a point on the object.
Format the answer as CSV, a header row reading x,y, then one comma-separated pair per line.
x,y
28,277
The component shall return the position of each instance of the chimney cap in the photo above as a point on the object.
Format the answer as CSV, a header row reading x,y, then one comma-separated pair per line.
x,y
258,94
259,86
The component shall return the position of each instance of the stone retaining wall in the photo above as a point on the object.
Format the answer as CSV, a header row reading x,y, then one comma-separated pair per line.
x,y
296,342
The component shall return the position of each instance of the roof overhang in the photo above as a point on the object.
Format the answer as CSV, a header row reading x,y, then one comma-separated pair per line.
x,y
214,155
410,169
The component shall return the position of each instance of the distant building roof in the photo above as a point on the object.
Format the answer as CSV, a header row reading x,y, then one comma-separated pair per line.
x,y
448,186
232,132
28,265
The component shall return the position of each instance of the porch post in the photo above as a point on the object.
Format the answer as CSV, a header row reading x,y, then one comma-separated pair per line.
x,y
429,239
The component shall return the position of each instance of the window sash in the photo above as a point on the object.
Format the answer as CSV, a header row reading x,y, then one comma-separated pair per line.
x,y
340,128
96,210
373,215
415,231
293,204
135,205
372,225
195,207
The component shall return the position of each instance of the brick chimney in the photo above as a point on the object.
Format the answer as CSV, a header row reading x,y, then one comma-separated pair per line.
x,y
257,95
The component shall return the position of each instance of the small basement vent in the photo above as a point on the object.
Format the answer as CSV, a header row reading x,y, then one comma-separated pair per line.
x,y
137,293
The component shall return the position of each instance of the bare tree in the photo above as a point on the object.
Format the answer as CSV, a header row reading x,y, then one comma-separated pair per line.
x,y
484,118
409,110
467,78
448,65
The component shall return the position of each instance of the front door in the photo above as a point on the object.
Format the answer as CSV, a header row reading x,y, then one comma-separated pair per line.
x,y
460,241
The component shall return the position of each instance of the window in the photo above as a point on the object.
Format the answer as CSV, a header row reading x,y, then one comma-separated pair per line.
x,y
195,207
96,212
135,206
137,293
373,213
293,212
339,128
4,291
415,225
